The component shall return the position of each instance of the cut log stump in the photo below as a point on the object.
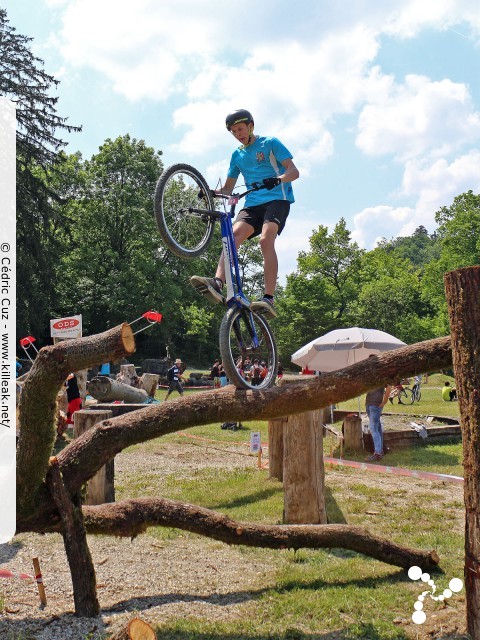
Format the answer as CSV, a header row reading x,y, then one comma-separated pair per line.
x,y
352,432
100,488
303,470
136,629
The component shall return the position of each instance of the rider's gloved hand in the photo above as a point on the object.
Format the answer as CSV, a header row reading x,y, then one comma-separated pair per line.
x,y
271,183
201,194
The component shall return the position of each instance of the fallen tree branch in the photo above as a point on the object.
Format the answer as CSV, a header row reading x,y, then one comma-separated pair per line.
x,y
132,517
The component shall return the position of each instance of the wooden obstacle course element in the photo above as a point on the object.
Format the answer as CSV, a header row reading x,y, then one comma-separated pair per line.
x,y
149,382
107,390
101,487
352,432
303,470
275,447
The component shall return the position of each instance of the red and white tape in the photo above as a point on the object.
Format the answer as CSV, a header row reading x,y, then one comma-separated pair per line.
x,y
6,573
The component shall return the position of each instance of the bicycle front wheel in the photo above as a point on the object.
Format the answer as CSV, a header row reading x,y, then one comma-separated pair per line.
x,y
405,396
180,189
244,333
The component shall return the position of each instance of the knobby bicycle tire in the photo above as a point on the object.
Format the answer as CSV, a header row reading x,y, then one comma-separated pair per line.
x,y
405,396
236,341
186,234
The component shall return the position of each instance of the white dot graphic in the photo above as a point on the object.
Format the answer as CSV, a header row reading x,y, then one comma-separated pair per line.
x,y
414,573
447,593
455,585
419,617
425,577
418,606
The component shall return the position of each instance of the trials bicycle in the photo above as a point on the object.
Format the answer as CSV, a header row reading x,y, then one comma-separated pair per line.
x,y
186,217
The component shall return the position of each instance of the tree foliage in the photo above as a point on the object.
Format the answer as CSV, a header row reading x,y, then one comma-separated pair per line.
x,y
24,81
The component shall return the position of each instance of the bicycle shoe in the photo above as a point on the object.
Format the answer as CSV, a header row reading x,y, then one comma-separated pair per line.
x,y
264,307
209,287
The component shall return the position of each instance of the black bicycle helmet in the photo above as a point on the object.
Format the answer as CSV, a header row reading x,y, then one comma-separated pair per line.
x,y
240,115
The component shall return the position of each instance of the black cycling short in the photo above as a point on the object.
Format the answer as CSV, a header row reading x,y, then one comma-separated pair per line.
x,y
273,211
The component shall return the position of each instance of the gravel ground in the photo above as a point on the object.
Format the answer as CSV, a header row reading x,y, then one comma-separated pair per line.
x,y
156,579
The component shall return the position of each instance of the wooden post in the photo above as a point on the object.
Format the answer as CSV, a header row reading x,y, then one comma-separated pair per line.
x,y
275,447
352,432
101,487
39,580
303,470
462,289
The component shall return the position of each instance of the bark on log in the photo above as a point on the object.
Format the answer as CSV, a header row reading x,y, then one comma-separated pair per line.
x,y
100,488
105,389
82,458
463,297
303,470
76,547
132,517
38,403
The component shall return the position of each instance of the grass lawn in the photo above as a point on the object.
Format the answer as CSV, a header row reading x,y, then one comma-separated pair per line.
x,y
332,594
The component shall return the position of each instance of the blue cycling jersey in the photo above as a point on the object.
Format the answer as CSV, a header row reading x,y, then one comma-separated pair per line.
x,y
262,159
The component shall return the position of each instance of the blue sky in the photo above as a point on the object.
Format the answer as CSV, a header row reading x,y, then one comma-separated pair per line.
x,y
379,102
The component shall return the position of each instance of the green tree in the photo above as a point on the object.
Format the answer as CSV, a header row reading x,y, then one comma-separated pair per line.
x,y
459,246
23,80
390,296
337,259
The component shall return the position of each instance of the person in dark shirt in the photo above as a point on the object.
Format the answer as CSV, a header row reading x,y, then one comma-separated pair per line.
x,y
73,397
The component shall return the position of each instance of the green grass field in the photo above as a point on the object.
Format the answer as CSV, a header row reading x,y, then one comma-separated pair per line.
x,y
331,594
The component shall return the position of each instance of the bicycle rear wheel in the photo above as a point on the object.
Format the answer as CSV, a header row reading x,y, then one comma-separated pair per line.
x,y
179,189
405,396
237,341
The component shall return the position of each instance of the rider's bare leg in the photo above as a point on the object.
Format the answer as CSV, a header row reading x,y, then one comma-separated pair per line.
x,y
270,260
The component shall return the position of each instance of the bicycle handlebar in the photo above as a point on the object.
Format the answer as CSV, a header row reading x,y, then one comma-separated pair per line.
x,y
256,186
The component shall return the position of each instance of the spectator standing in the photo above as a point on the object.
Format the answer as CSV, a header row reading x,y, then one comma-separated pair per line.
x,y
73,397
374,404
215,373
223,376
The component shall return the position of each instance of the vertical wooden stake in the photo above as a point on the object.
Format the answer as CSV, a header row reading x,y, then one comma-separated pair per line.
x,y
39,581
260,458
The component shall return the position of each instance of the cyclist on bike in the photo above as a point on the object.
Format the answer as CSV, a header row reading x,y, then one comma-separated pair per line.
x,y
261,160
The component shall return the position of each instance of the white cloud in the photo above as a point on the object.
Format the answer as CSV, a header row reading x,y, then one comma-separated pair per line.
x,y
383,221
431,185
418,117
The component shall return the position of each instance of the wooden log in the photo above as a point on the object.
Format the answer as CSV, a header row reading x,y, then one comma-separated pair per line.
x,y
303,470
275,447
149,382
101,487
76,546
128,375
106,390
136,629
462,289
352,432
